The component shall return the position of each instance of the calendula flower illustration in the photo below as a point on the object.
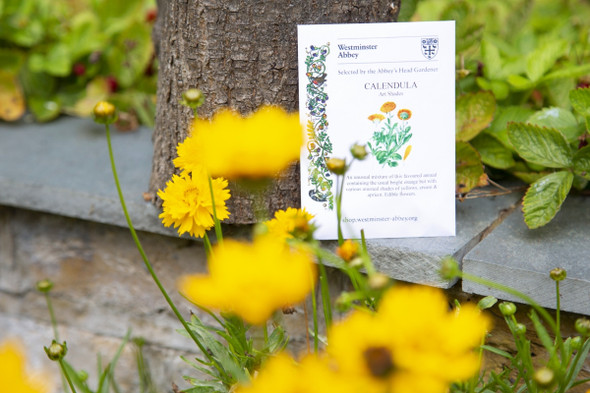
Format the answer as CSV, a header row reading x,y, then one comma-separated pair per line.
x,y
404,114
376,116
289,224
256,146
388,107
416,344
252,280
187,202
13,375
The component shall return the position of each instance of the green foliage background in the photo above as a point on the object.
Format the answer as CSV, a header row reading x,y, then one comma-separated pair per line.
x,y
523,102
62,56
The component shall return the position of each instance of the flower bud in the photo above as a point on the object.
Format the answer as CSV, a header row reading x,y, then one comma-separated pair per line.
x,y
82,375
507,308
104,113
583,326
378,281
358,151
45,285
544,377
56,351
336,165
193,98
520,329
576,343
558,274
348,250
449,269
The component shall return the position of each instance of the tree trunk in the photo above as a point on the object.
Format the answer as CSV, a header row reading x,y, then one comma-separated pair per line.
x,y
241,54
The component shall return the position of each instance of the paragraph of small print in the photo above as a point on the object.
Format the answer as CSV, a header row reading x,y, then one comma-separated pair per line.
x,y
394,185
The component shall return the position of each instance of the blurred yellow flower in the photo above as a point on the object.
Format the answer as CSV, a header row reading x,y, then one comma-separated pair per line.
x,y
257,146
289,224
415,345
312,375
252,280
187,202
388,107
13,376
348,250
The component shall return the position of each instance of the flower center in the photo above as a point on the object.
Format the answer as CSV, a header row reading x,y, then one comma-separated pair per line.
x,y
379,361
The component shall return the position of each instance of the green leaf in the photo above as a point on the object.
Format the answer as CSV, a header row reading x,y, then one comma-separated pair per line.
x,y
544,57
474,112
542,146
468,166
581,162
130,55
542,334
505,115
520,82
558,118
529,177
43,109
497,351
492,152
486,302
491,59
408,7
580,99
568,72
544,197
57,61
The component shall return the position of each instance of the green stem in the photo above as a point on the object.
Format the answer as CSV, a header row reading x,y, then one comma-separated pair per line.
x,y
52,317
314,306
514,292
339,210
325,293
218,232
208,247
147,263
65,373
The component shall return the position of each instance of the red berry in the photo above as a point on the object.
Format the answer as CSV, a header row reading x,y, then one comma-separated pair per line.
x,y
112,84
151,15
79,69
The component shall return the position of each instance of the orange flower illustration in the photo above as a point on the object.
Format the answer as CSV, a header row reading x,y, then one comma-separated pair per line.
x,y
388,107
376,116
404,114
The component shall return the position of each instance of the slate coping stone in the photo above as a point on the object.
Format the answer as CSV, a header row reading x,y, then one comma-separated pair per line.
x,y
62,167
521,258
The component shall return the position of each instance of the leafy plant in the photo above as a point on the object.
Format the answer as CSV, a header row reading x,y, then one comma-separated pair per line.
x,y
60,56
521,67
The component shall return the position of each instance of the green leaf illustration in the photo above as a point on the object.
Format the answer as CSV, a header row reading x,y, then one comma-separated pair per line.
x,y
544,197
542,146
580,99
474,112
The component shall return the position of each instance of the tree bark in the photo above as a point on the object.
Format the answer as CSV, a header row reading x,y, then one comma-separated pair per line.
x,y
241,54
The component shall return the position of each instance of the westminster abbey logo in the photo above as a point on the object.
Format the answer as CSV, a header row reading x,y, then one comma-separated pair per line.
x,y
429,47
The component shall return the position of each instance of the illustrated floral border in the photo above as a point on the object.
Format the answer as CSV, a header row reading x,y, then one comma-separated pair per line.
x,y
319,145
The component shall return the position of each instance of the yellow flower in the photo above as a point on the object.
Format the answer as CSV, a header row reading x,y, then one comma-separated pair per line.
x,y
416,344
312,375
252,280
257,146
336,165
376,116
388,107
13,376
289,223
187,202
404,114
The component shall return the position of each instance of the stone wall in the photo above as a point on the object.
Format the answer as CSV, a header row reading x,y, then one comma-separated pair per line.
x,y
102,289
